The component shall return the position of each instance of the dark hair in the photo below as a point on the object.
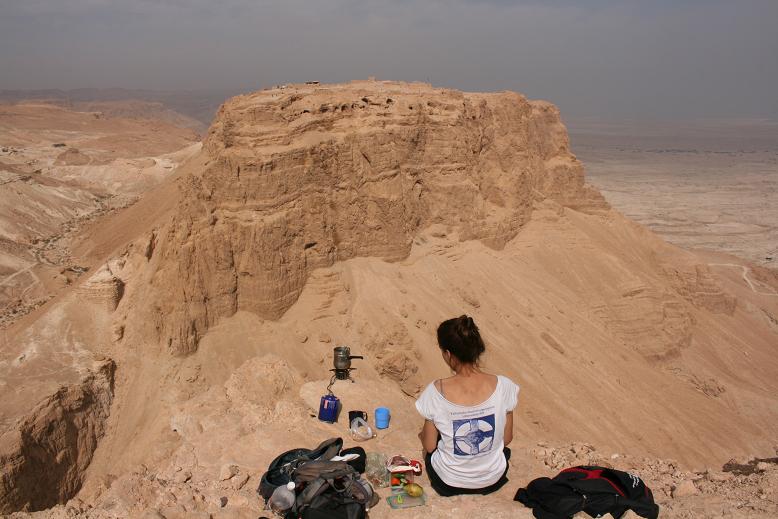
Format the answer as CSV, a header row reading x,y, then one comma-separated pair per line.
x,y
460,337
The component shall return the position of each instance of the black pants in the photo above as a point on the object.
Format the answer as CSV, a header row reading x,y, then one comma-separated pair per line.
x,y
445,490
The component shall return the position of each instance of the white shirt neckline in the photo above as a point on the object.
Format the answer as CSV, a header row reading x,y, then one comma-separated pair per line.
x,y
496,387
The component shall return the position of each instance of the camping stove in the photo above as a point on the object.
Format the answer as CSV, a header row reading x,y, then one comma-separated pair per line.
x,y
341,360
329,407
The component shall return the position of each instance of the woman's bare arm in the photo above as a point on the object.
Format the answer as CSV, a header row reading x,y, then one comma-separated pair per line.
x,y
428,436
508,434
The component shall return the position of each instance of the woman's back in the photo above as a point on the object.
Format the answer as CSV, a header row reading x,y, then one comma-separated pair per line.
x,y
467,391
469,453
468,417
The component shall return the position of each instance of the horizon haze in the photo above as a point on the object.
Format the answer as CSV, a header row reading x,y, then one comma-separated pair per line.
x,y
614,60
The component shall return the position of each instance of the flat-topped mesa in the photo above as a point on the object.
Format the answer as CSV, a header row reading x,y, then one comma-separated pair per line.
x,y
303,176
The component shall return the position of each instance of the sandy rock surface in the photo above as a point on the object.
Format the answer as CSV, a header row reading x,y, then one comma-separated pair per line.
x,y
182,492
363,215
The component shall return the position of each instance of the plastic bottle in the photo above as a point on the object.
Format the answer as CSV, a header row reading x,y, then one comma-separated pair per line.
x,y
282,499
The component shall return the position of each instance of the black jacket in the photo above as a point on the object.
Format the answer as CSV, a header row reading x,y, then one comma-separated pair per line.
x,y
594,490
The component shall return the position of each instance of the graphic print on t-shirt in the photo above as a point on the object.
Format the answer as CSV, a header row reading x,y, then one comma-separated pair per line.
x,y
473,436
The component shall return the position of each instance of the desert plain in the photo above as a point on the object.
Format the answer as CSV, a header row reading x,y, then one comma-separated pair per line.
x,y
700,185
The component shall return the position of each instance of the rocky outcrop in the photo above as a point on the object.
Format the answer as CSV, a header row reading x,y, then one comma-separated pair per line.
x,y
657,324
72,157
698,286
103,288
396,358
301,177
43,460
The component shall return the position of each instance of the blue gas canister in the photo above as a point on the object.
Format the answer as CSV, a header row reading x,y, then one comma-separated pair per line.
x,y
328,408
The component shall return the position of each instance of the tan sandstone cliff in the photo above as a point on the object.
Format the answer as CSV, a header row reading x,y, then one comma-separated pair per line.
x,y
300,178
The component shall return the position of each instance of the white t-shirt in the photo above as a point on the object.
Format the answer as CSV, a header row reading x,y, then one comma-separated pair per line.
x,y
469,453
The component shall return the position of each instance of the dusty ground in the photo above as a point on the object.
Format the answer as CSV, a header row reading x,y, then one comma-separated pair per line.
x,y
701,186
736,490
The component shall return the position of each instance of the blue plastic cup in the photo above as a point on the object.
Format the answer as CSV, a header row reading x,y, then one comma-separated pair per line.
x,y
382,417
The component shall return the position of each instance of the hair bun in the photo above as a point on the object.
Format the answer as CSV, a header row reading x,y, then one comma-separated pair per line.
x,y
461,337
462,322
467,325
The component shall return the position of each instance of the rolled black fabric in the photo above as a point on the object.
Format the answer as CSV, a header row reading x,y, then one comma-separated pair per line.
x,y
591,489
360,462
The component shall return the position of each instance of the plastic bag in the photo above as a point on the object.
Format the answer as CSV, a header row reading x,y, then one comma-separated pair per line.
x,y
375,470
360,431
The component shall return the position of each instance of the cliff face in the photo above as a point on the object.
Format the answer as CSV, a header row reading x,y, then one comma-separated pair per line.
x,y
43,459
301,177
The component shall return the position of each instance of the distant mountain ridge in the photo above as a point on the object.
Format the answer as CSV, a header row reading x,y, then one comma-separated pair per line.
x,y
199,105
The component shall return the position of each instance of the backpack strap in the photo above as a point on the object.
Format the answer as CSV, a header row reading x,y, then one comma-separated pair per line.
x,y
327,449
328,481
322,485
312,489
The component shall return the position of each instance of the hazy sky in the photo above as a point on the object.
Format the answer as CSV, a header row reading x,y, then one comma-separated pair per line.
x,y
620,58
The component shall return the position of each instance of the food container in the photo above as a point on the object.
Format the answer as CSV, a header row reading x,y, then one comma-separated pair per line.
x,y
399,479
401,470
403,500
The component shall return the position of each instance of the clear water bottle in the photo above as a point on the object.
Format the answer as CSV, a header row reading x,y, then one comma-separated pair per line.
x,y
282,499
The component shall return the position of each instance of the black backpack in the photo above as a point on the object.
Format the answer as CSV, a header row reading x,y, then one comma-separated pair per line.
x,y
332,490
324,488
279,473
594,490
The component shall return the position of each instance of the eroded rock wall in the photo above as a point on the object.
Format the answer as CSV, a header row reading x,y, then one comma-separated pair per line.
x,y
301,177
43,460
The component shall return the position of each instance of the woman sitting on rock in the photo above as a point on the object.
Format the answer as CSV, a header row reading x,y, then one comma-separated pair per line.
x,y
468,417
